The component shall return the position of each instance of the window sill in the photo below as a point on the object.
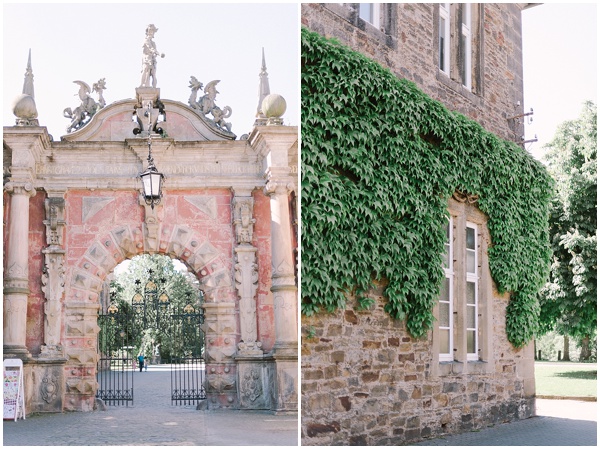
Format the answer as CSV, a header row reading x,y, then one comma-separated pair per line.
x,y
471,367
456,86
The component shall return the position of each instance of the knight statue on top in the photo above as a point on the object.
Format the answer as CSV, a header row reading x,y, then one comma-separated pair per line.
x,y
206,104
149,58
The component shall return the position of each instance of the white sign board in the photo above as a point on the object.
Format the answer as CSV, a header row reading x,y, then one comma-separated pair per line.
x,y
14,395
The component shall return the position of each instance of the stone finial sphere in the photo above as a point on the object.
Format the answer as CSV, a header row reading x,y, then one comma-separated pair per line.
x,y
24,107
274,105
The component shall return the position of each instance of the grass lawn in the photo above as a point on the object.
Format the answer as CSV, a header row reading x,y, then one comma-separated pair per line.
x,y
566,379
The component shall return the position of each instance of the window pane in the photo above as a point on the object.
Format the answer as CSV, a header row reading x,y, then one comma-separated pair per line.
x,y
444,314
471,293
471,317
445,293
470,342
365,12
470,261
465,14
444,341
470,238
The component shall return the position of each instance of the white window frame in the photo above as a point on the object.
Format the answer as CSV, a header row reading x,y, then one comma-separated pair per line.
x,y
444,33
374,13
472,277
466,43
449,274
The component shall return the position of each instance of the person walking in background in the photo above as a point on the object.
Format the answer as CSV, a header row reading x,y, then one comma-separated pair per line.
x,y
141,362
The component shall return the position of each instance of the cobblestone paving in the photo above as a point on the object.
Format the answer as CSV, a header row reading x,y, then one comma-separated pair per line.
x,y
152,421
559,423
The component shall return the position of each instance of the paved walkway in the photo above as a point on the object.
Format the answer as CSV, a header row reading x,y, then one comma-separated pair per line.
x,y
558,423
152,421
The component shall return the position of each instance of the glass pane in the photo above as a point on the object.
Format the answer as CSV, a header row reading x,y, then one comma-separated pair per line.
x,y
465,14
470,292
444,314
447,256
471,317
471,342
365,12
470,238
444,341
470,261
445,293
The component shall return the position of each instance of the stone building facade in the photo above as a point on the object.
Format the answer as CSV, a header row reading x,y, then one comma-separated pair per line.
x,y
73,210
365,380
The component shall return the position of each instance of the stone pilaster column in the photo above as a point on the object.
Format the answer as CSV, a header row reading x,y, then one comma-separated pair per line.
x,y
283,284
246,274
53,283
16,276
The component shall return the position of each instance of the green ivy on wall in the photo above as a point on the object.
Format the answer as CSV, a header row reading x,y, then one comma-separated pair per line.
x,y
380,159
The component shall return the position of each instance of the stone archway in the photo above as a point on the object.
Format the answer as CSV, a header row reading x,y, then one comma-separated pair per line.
x,y
85,277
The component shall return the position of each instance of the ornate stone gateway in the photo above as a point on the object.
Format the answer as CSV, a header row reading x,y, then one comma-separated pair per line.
x,y
74,210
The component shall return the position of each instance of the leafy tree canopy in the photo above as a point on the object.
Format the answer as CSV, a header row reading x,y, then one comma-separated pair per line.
x,y
569,299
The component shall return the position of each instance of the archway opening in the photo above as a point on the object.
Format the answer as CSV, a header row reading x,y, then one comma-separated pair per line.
x,y
151,345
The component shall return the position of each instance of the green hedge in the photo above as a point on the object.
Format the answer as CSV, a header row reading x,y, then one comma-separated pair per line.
x,y
380,159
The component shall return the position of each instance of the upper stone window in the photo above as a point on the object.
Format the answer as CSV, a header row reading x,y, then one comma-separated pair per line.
x,y
459,44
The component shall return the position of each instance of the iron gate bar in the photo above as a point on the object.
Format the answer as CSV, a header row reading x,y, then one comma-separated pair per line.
x,y
115,381
187,372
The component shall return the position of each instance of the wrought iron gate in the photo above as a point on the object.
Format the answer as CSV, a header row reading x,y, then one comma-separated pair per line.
x,y
182,346
187,361
116,358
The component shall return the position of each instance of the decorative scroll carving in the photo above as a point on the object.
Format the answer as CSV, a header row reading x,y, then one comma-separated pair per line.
x,y
243,221
206,104
151,225
53,286
251,387
88,107
246,282
221,382
463,197
55,220
49,389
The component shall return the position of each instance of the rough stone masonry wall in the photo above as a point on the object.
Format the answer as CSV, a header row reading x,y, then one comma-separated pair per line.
x,y
409,49
366,381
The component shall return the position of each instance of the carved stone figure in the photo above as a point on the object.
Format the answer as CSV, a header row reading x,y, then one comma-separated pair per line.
x,y
149,60
206,104
99,88
243,221
88,107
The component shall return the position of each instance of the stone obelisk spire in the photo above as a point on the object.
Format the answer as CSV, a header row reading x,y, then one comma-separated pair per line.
x,y
24,105
263,91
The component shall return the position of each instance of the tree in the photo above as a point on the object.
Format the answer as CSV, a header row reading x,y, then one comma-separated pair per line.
x,y
140,290
569,298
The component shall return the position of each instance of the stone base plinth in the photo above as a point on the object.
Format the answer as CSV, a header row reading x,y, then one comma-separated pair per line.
x,y
284,375
45,385
254,389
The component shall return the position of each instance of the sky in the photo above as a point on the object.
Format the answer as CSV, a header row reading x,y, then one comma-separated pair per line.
x,y
560,66
87,42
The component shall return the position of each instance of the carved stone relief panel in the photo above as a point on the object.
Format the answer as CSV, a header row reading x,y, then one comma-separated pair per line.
x,y
242,219
55,220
